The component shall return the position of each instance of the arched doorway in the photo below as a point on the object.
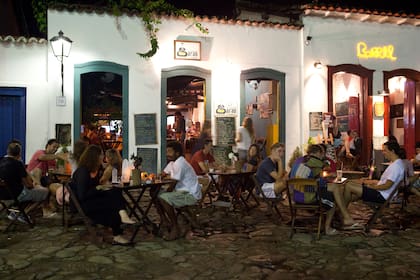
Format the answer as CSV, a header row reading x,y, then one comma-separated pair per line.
x,y
107,72
350,96
257,84
403,107
176,75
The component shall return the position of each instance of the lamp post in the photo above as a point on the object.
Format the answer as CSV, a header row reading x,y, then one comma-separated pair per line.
x,y
61,46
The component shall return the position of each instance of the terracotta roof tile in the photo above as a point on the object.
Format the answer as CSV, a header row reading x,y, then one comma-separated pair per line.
x,y
22,40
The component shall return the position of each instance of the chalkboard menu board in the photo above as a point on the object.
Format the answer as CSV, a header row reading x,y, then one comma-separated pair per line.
x,y
225,131
145,129
149,156
220,154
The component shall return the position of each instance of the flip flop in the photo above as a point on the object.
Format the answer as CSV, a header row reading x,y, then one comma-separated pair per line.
x,y
331,232
354,226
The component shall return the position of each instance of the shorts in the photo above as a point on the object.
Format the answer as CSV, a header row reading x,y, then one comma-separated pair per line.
x,y
327,197
268,189
372,195
178,198
36,194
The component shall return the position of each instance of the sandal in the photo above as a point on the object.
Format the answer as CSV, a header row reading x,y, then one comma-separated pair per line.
x,y
354,226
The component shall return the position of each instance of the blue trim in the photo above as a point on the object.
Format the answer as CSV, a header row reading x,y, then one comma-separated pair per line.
x,y
101,66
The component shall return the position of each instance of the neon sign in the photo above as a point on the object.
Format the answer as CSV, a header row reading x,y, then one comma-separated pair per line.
x,y
380,52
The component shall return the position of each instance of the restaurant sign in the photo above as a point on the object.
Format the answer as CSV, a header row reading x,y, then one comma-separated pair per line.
x,y
189,50
378,52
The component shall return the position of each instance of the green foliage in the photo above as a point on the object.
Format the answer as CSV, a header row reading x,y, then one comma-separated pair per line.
x,y
297,153
148,10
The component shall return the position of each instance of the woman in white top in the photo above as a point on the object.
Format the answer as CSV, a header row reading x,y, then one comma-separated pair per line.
x,y
245,137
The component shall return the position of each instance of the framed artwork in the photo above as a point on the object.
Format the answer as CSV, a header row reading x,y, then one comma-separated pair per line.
x,y
397,111
63,133
187,50
315,120
400,123
343,123
341,109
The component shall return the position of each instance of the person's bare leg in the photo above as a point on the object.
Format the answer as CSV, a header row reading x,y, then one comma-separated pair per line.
x,y
339,201
328,220
279,186
169,210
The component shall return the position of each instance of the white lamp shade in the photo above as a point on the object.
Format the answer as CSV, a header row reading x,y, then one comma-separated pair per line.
x,y
61,45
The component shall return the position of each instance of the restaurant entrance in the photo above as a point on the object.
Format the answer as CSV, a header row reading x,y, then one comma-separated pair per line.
x,y
403,103
350,100
186,90
263,99
101,102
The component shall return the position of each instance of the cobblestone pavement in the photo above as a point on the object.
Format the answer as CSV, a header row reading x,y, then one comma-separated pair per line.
x,y
232,244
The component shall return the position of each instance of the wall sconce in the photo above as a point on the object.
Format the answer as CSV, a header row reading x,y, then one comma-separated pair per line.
x,y
379,109
383,93
254,83
61,46
308,40
318,65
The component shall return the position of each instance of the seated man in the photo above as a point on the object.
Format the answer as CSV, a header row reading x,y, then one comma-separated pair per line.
x,y
187,190
43,160
13,172
203,160
372,190
311,166
271,174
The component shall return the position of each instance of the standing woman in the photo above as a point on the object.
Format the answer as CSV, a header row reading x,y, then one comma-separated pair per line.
x,y
103,207
245,137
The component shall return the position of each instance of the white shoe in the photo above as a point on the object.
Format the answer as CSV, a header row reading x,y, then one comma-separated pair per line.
x,y
119,240
125,219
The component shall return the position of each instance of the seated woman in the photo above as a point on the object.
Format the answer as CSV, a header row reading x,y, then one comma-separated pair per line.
x,y
103,207
253,159
113,160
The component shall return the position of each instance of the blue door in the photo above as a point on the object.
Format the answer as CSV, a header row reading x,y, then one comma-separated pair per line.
x,y
12,117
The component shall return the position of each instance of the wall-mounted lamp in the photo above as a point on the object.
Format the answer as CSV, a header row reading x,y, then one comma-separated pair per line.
x,y
379,109
254,83
318,65
383,93
61,46
308,40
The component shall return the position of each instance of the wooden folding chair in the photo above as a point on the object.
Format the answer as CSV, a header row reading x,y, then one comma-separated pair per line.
x,y
304,185
272,202
74,205
11,203
190,212
379,208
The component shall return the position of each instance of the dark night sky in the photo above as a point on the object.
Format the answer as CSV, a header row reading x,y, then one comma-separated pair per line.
x,y
16,16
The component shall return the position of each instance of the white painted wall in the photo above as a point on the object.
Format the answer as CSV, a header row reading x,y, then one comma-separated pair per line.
x,y
25,65
230,49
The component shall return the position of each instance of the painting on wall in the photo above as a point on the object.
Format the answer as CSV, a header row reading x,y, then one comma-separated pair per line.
x,y
250,109
315,120
343,123
400,123
397,111
63,134
341,109
264,105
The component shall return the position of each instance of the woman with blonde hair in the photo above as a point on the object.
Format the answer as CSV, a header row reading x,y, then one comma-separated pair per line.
x,y
113,160
245,137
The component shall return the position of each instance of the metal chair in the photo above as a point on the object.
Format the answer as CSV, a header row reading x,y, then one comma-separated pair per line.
x,y
10,202
309,186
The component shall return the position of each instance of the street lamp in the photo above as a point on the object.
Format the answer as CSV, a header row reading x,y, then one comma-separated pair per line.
x,y
61,46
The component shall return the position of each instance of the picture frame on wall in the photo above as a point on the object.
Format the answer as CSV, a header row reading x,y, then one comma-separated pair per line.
x,y
315,120
187,50
63,134
341,109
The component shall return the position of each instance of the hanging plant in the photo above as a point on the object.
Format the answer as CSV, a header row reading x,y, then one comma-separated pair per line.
x,y
148,9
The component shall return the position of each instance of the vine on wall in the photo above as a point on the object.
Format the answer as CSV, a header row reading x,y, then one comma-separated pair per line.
x,y
148,10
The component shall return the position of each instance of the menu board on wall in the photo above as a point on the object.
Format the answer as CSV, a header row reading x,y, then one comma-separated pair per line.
x,y
149,156
145,129
220,154
225,131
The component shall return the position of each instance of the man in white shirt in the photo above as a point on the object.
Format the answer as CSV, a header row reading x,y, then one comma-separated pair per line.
x,y
186,192
372,190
